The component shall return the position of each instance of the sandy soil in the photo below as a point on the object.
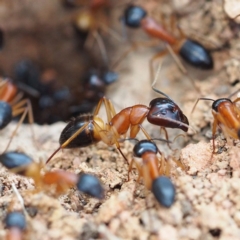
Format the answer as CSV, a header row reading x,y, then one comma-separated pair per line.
x,y
207,202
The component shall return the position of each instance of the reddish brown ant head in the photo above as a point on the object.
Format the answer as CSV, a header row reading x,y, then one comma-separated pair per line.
x,y
165,113
144,146
133,16
219,102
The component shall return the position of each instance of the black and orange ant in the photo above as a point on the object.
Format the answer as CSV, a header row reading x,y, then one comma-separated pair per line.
x,y
22,164
90,128
226,116
191,51
15,222
161,186
12,105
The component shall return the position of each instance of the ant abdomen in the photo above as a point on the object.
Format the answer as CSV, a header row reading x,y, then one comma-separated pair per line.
x,y
85,138
165,113
12,160
164,191
196,55
5,114
90,185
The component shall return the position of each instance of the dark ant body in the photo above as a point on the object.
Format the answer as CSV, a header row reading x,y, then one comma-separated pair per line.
x,y
191,51
12,105
94,88
89,129
16,224
226,116
21,164
161,186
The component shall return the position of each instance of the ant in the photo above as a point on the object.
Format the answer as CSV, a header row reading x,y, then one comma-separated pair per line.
x,y
12,105
161,186
191,51
226,116
16,224
88,129
23,165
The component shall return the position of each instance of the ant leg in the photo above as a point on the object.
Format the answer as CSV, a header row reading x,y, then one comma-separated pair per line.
x,y
166,135
135,46
101,46
152,60
180,65
111,32
24,113
202,98
236,100
17,109
130,168
110,111
16,99
68,141
214,129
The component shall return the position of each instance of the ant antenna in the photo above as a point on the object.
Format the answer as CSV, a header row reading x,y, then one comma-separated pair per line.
x,y
155,80
203,98
128,139
20,199
161,139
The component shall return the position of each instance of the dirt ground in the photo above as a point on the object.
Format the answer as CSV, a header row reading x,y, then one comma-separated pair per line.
x,y
207,205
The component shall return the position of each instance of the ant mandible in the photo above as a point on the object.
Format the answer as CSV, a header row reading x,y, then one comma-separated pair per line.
x,y
23,165
12,105
226,116
161,186
90,128
191,51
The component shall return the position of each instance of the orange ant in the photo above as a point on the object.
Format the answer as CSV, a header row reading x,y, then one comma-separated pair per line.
x,y
226,116
22,164
161,186
191,51
16,224
90,20
90,128
12,105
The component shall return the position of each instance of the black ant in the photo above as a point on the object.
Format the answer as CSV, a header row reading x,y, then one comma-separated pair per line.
x,y
161,186
90,128
191,51
22,164
226,116
16,224
12,105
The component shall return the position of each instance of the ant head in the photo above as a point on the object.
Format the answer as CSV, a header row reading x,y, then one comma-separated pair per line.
x,y
133,16
219,101
90,185
12,160
144,146
110,77
166,113
164,191
15,219
5,114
